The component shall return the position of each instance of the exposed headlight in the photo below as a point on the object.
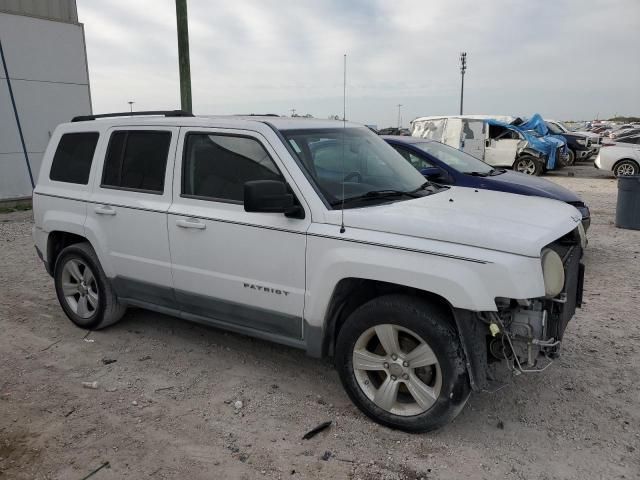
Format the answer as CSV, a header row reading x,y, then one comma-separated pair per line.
x,y
581,141
583,236
552,272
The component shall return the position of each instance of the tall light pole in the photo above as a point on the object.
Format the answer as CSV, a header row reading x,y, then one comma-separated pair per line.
x,y
183,55
463,69
131,102
399,117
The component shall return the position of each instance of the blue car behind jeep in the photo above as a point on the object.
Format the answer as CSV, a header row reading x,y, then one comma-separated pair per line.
x,y
445,165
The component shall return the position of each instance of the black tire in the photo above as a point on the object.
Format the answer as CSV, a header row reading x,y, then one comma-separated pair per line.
x,y
626,167
432,324
108,310
528,165
571,159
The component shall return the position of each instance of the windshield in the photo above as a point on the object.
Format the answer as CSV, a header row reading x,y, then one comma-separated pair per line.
x,y
456,159
355,157
561,126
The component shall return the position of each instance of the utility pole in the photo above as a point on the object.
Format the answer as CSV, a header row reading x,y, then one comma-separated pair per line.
x,y
131,102
183,55
293,112
399,117
463,69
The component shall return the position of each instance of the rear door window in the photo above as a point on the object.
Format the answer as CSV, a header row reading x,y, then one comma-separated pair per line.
x,y
137,160
74,155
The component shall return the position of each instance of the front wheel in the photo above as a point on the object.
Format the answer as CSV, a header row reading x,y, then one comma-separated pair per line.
x,y
571,157
528,165
400,362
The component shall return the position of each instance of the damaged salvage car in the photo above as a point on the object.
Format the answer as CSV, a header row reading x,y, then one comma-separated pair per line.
x,y
497,141
312,234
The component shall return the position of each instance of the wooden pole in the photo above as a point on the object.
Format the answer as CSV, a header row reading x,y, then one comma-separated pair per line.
x,y
183,55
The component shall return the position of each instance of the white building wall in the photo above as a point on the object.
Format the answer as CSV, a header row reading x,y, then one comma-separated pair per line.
x,y
63,10
47,66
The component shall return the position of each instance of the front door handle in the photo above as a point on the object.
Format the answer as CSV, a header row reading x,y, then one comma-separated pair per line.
x,y
104,210
191,224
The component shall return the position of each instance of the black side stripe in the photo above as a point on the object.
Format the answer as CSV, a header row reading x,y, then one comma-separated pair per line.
x,y
100,203
396,247
297,232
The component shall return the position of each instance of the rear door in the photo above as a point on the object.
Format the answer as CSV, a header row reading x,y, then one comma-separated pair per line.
x,y
235,268
127,213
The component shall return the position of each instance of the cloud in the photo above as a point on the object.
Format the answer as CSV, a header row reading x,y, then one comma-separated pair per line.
x,y
565,59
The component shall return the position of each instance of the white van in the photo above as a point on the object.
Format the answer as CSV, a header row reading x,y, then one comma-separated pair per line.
x,y
496,145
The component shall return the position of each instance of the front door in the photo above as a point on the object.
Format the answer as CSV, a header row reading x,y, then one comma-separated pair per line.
x,y
501,153
231,267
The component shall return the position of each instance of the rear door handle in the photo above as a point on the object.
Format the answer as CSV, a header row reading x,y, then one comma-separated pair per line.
x,y
191,224
104,210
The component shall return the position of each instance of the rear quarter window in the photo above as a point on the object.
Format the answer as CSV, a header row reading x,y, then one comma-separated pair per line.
x,y
74,155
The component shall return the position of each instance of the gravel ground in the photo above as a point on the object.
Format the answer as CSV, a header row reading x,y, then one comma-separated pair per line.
x,y
168,391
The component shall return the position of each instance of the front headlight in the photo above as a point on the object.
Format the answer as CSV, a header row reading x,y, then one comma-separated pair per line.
x,y
552,272
581,141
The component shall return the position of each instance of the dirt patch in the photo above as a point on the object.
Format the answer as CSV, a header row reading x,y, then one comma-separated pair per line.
x,y
17,450
167,407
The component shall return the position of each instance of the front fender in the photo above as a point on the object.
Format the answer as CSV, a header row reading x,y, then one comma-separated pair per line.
x,y
467,277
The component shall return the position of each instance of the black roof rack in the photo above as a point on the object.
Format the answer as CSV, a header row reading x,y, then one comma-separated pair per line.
x,y
165,113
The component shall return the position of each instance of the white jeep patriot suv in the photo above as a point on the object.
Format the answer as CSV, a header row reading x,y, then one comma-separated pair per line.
x,y
314,234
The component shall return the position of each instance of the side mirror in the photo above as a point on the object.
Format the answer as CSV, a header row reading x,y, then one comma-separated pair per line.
x,y
270,196
431,172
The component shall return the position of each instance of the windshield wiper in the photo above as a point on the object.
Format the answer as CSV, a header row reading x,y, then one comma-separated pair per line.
x,y
491,173
421,187
375,195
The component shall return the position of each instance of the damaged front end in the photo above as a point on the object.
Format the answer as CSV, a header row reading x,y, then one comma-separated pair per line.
x,y
525,335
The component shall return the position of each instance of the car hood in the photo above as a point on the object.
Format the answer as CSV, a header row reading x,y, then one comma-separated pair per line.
x,y
587,134
572,134
480,218
530,185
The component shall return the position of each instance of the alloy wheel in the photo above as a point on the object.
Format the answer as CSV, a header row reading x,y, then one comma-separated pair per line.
x,y
625,169
526,166
397,370
80,288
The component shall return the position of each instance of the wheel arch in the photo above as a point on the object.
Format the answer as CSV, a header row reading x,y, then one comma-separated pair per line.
x,y
351,293
57,241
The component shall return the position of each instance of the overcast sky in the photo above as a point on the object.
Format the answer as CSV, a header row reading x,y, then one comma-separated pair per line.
x,y
565,59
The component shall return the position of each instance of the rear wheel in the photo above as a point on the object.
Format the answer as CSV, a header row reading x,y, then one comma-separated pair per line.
x,y
83,290
625,168
400,362
528,165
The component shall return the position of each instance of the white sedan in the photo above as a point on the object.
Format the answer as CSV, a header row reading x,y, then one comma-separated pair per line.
x,y
622,158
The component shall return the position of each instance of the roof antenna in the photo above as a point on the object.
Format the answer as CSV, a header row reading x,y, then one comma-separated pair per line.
x,y
344,126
